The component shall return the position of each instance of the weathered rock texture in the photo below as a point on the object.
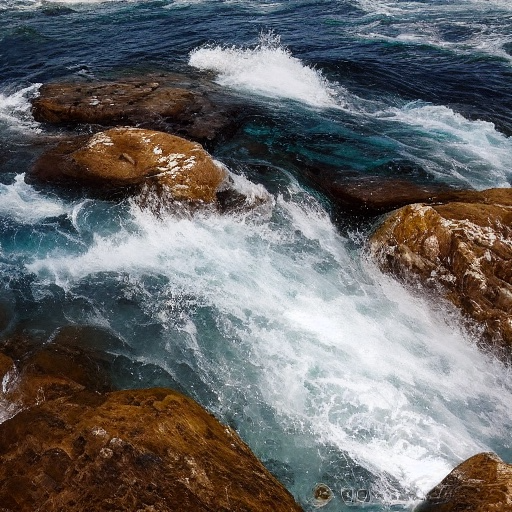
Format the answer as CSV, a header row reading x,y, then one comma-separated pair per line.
x,y
174,103
143,450
483,483
465,247
374,195
133,158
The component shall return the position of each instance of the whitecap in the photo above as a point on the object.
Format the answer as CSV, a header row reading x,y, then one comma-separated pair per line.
x,y
26,205
269,69
15,109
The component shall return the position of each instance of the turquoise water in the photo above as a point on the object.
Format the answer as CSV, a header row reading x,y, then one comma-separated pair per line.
x,y
275,320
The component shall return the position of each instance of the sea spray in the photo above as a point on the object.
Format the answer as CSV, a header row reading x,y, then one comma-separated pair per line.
x,y
15,109
282,328
268,69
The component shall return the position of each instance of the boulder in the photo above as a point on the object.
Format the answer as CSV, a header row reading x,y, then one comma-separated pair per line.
x,y
60,367
133,158
188,106
465,248
483,483
375,195
142,450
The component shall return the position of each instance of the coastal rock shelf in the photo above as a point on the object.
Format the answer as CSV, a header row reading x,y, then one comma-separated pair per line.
x,y
75,445
173,103
133,157
161,170
466,247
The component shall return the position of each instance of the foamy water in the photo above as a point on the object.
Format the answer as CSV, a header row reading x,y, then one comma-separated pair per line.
x,y
425,23
343,356
451,146
15,109
26,205
268,69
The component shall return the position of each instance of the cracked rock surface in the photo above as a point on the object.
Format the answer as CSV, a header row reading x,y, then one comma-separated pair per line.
x,y
463,247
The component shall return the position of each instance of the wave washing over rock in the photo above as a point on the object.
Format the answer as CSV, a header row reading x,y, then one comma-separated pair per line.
x,y
353,389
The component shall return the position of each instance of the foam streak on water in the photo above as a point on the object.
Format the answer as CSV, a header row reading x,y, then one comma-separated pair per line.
x,y
448,144
342,356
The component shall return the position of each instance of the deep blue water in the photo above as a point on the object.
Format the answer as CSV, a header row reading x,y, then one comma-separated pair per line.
x,y
276,322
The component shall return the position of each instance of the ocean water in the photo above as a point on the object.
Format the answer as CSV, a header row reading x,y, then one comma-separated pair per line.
x,y
275,320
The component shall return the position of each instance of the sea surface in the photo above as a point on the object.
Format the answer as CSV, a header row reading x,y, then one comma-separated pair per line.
x,y
276,320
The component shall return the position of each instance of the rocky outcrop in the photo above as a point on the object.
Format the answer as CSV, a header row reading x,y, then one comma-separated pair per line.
x,y
465,247
135,158
483,483
186,106
162,172
374,195
68,442
148,450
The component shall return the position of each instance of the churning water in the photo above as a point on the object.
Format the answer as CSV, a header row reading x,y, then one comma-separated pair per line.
x,y
275,320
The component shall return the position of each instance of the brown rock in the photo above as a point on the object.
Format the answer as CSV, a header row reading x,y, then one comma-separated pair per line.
x,y
465,247
483,483
59,368
374,195
6,365
132,157
173,103
130,450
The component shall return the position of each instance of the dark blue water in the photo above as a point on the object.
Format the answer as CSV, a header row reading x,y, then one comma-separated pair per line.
x,y
275,321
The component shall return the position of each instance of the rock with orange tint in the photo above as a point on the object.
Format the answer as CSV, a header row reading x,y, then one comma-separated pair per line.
x,y
151,450
133,159
483,483
466,247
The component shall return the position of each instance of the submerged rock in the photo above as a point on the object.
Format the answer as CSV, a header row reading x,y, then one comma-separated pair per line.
x,y
483,483
374,195
466,247
149,450
123,158
61,367
173,103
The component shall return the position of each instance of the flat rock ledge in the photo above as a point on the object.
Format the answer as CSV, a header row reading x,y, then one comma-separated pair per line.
x,y
483,483
70,445
135,158
174,103
462,248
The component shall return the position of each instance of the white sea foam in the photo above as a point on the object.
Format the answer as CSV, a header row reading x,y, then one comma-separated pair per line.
x,y
15,109
423,22
449,144
269,69
26,205
341,354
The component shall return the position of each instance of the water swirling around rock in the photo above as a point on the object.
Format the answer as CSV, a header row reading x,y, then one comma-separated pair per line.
x,y
330,371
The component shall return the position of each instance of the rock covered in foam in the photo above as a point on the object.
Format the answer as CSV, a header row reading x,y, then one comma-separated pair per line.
x,y
464,246
133,157
483,483
152,449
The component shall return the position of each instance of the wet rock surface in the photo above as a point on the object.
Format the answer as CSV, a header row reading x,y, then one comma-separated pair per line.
x,y
188,106
483,483
151,449
464,247
132,159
